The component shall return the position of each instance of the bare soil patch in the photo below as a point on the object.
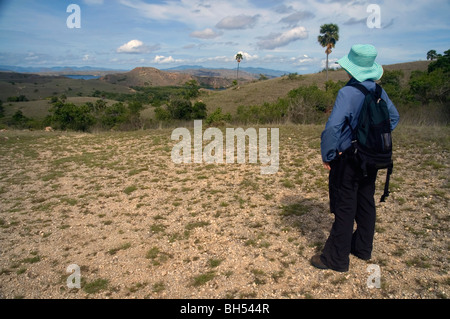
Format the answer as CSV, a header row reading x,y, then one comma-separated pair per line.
x,y
140,226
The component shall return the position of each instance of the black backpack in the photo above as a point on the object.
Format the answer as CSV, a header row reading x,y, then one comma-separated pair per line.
x,y
372,137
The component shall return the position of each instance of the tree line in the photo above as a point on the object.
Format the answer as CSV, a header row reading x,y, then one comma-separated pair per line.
x,y
304,105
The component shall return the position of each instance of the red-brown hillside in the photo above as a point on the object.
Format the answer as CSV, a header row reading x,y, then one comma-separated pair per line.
x,y
148,77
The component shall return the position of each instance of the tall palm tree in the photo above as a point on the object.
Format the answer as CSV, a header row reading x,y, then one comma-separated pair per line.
x,y
239,58
329,35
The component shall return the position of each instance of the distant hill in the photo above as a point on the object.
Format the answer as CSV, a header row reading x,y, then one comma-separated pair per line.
x,y
151,77
250,71
63,70
219,73
147,77
215,78
39,87
266,72
183,67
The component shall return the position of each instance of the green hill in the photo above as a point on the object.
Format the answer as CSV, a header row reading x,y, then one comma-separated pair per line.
x,y
257,93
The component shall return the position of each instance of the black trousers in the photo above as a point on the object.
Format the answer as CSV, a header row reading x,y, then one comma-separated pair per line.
x,y
351,200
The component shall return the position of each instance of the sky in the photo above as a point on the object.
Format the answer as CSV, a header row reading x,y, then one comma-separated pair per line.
x,y
280,35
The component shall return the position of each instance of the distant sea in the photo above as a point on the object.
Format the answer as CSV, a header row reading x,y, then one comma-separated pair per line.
x,y
82,77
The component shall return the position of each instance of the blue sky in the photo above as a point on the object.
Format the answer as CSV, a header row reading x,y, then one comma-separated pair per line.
x,y
282,35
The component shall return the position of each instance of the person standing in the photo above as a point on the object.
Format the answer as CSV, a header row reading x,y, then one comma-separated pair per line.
x,y
351,192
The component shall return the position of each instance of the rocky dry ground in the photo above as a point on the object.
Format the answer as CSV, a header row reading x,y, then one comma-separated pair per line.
x,y
140,226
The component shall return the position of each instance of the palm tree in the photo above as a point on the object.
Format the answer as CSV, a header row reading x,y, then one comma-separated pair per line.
x,y
239,58
329,35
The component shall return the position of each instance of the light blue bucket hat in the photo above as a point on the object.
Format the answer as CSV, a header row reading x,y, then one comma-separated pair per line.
x,y
360,63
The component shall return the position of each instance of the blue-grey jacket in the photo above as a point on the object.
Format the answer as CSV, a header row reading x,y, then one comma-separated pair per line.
x,y
337,136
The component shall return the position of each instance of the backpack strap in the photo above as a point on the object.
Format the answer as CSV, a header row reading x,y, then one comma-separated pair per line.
x,y
386,186
361,87
378,91
365,91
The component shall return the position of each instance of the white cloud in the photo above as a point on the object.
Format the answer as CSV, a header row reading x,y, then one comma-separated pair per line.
x,y
161,59
206,34
238,22
93,2
31,56
248,56
198,13
221,59
136,47
304,60
331,64
277,40
227,59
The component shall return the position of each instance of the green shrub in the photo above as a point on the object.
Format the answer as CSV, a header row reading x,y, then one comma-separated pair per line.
x,y
333,87
114,115
312,97
19,120
391,83
180,109
72,117
392,78
162,114
217,117
191,89
433,86
263,114
308,105
199,111
135,107
442,63
21,98
96,286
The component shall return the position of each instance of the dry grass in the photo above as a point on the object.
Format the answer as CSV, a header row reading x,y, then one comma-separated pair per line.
x,y
39,88
140,226
260,92
40,109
